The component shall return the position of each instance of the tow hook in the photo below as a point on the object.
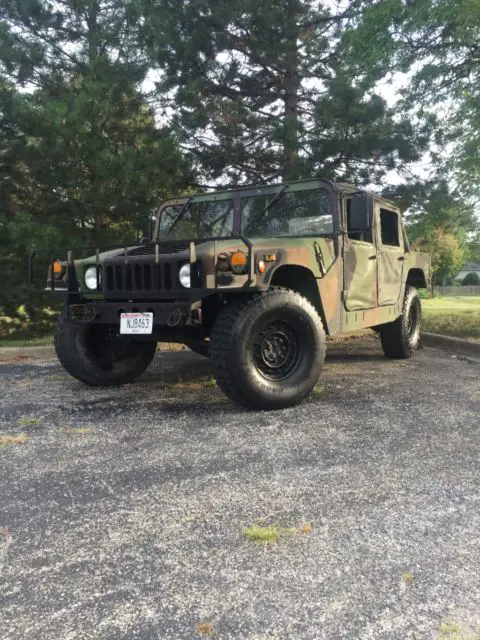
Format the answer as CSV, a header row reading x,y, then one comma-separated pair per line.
x,y
175,318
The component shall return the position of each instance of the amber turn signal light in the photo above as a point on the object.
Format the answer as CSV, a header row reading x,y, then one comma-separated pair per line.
x,y
57,267
238,262
262,266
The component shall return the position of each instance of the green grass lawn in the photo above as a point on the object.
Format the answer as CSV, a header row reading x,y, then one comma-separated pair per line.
x,y
33,342
454,316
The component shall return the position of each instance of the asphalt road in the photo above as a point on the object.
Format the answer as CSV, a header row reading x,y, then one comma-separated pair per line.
x,y
122,512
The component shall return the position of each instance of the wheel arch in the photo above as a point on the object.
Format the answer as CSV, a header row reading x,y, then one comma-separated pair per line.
x,y
300,279
416,278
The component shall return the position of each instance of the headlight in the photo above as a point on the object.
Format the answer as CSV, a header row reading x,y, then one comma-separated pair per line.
x,y
184,276
91,278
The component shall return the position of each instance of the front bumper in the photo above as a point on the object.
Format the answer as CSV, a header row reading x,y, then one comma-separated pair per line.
x,y
179,313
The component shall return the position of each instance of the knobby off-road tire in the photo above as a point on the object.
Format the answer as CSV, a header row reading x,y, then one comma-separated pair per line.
x,y
401,338
94,355
267,352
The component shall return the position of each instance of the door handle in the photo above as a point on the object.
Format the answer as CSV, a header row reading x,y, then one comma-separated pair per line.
x,y
401,259
372,258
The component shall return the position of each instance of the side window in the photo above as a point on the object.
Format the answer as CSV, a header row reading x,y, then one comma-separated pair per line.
x,y
356,235
389,228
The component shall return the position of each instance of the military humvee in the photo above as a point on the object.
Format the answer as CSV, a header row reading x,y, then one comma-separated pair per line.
x,y
253,278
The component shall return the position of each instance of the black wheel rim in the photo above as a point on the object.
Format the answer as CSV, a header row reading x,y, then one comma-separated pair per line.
x,y
276,351
106,347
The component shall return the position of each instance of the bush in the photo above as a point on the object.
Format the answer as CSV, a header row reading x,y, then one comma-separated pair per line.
x,y
22,326
471,279
424,294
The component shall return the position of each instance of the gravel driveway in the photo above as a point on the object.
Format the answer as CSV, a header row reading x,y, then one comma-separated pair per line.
x,y
122,511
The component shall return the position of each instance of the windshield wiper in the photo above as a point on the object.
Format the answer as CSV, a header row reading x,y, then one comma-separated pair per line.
x,y
180,215
270,204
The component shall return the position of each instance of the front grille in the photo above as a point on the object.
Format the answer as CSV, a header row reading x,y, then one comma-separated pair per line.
x,y
138,277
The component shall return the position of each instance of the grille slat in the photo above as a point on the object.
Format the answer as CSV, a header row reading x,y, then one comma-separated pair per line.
x,y
138,277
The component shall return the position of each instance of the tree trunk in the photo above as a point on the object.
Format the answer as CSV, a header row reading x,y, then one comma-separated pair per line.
x,y
93,53
290,166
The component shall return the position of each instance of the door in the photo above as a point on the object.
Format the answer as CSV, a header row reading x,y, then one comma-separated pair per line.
x,y
359,268
391,255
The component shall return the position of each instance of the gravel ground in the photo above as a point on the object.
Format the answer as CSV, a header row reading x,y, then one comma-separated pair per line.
x,y
122,511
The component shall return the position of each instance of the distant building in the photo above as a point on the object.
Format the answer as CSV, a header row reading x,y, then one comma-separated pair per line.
x,y
470,267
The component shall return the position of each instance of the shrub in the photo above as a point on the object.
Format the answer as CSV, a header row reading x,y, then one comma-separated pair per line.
x,y
424,294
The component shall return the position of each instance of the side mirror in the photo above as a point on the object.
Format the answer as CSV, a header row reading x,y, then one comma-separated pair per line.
x,y
360,214
147,227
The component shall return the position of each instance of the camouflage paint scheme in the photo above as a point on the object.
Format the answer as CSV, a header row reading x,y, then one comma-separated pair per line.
x,y
359,283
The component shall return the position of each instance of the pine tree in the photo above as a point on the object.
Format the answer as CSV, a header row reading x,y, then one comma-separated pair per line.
x,y
81,155
94,153
262,90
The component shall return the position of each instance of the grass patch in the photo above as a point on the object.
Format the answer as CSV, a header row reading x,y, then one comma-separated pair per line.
x,y
205,629
76,430
306,528
20,438
187,386
454,316
198,384
33,342
408,577
28,421
267,535
454,631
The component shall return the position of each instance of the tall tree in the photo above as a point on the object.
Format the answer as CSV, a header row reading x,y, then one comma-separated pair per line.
x,y
437,207
42,41
447,256
437,42
260,90
94,152
80,149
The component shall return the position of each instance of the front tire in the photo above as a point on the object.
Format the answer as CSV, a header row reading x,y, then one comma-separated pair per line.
x,y
97,356
401,338
267,352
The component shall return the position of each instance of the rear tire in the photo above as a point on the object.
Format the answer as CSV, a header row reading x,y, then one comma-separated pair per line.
x,y
97,356
401,338
267,352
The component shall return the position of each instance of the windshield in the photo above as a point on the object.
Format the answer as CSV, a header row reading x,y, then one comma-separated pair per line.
x,y
189,220
294,213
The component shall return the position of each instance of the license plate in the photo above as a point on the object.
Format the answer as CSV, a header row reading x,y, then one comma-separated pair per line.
x,y
135,323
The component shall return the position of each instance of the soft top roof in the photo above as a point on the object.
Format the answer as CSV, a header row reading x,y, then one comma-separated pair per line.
x,y
258,189
253,189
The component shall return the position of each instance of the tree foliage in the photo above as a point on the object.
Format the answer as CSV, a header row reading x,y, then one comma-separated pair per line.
x,y
437,43
447,254
81,153
265,90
